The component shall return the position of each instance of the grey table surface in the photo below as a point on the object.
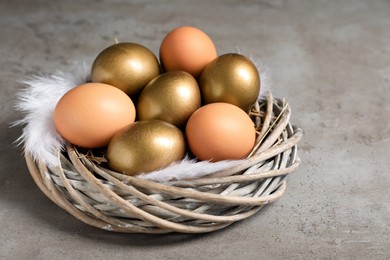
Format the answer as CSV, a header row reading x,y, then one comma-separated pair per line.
x,y
329,59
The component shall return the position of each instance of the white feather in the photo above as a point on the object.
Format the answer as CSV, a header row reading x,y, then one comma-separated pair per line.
x,y
37,101
265,82
189,169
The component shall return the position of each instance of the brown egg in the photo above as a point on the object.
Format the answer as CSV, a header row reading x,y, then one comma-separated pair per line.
x,y
145,146
230,78
90,114
220,131
188,49
127,66
172,97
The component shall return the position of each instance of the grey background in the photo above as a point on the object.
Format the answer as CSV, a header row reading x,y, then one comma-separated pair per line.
x,y
330,59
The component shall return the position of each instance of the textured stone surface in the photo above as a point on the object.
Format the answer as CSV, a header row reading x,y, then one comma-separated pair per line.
x,y
330,59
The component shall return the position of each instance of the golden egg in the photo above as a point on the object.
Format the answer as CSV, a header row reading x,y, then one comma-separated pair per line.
x,y
230,78
127,66
172,97
145,146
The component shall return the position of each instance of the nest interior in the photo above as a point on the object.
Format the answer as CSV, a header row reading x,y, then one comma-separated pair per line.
x,y
121,203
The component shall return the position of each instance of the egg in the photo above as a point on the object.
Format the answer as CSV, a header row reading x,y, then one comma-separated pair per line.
x,y
188,49
230,78
172,97
126,65
90,114
145,146
220,131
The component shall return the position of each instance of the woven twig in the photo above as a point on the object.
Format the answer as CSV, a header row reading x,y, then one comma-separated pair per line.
x,y
116,202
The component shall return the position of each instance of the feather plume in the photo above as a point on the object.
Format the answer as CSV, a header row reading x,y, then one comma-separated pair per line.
x,y
189,169
37,101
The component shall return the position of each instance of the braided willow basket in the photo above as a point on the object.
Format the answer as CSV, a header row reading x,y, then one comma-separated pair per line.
x,y
120,203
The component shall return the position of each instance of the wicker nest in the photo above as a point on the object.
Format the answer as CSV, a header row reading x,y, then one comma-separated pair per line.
x,y
120,203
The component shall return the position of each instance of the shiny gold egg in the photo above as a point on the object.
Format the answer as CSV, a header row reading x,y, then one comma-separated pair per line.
x,y
145,146
127,66
172,97
230,78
